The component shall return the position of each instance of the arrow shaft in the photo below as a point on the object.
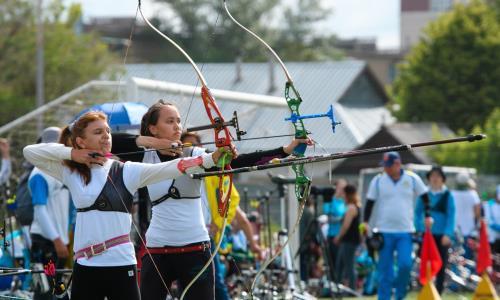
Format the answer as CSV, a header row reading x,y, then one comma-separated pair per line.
x,y
313,159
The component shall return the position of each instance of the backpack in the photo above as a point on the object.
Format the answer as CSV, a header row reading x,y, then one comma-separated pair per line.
x,y
24,210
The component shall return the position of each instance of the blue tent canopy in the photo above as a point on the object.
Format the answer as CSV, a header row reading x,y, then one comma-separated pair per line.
x,y
121,115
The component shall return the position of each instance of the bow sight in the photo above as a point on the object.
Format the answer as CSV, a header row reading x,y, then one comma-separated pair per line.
x,y
219,125
294,118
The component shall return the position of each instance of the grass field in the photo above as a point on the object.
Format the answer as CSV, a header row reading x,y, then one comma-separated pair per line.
x,y
413,296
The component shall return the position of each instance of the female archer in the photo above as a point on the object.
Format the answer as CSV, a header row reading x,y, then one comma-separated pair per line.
x,y
102,190
177,238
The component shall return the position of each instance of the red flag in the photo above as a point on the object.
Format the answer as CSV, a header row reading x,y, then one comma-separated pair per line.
x,y
430,260
483,252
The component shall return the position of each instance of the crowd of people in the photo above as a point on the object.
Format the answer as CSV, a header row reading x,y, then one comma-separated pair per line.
x,y
86,183
398,209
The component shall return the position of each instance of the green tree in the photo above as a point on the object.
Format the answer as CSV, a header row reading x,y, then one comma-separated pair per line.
x,y
71,59
452,75
483,155
204,30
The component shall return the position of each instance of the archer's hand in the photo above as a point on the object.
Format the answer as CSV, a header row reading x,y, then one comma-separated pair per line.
x,y
164,146
218,154
61,249
88,157
295,142
4,148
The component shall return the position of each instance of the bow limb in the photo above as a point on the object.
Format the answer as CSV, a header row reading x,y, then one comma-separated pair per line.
x,y
287,74
196,69
302,182
293,100
222,139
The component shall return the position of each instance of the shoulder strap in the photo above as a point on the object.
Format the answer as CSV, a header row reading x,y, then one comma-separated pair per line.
x,y
107,199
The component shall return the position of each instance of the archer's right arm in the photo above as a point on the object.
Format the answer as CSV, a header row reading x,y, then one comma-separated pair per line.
x,y
48,157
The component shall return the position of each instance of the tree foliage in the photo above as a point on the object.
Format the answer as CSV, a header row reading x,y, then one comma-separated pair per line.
x,y
206,32
483,155
71,59
453,74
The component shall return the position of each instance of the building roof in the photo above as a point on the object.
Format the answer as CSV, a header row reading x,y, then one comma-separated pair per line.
x,y
357,98
394,134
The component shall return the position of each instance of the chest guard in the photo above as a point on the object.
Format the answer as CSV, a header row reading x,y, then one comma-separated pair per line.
x,y
183,187
114,194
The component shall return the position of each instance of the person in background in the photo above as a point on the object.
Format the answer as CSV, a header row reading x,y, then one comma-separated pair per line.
x,y
65,139
349,238
468,210
51,208
307,239
442,212
492,216
335,211
6,168
394,191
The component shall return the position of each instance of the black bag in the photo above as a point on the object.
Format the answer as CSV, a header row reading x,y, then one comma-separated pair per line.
x,y
24,210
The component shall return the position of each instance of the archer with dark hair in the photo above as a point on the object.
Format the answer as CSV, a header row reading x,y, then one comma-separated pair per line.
x,y
177,236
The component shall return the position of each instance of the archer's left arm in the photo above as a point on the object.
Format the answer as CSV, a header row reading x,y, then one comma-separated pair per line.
x,y
257,158
263,157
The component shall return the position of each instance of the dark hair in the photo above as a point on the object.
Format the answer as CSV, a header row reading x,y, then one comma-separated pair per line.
x,y
77,130
191,134
351,195
436,169
151,116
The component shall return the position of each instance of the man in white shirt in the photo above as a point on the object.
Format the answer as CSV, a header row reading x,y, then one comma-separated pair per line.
x,y
394,191
468,210
51,207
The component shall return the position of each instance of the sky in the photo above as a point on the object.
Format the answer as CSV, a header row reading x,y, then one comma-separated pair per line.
x,y
377,19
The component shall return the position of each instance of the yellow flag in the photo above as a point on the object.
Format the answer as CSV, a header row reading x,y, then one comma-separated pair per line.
x,y
428,292
485,289
211,187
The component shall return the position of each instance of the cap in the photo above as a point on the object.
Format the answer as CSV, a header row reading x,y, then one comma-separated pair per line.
x,y
50,135
389,158
464,180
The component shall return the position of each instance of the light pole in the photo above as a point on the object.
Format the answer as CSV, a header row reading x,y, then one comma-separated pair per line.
x,y
39,64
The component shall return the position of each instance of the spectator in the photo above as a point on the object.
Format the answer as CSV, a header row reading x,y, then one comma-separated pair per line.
x,y
348,239
6,168
335,210
51,206
394,191
468,210
442,212
492,216
307,238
